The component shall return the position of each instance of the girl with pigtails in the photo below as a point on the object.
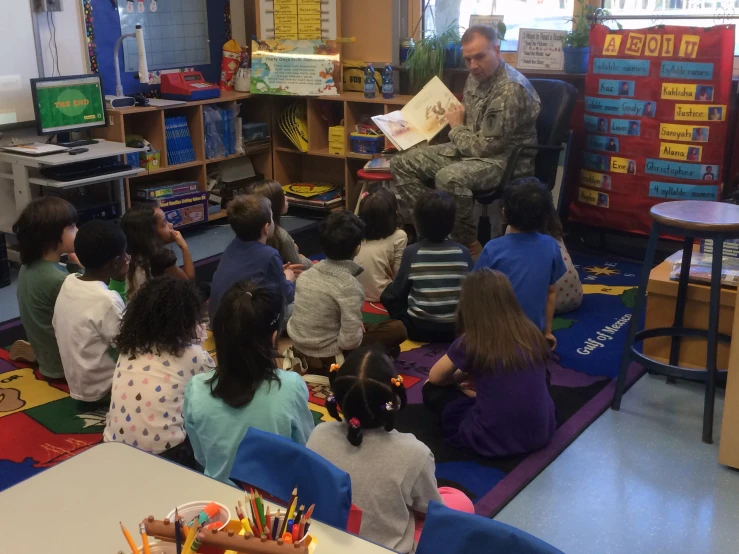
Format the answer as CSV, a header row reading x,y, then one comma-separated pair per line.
x,y
392,473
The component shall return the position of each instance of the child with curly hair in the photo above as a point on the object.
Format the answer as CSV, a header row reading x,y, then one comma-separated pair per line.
x,y
159,354
393,474
148,232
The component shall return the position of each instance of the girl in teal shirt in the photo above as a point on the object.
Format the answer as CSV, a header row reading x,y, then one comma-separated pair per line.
x,y
246,389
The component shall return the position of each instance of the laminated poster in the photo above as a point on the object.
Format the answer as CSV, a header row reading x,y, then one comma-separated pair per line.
x,y
656,104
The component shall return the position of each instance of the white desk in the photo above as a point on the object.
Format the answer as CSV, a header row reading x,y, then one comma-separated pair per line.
x,y
19,172
75,507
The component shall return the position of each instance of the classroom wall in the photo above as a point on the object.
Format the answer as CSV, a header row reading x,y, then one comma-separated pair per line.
x,y
70,39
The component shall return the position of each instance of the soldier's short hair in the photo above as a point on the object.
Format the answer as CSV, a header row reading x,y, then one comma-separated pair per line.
x,y
486,31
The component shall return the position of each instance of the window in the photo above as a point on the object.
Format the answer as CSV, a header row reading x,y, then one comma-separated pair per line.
x,y
519,14
657,8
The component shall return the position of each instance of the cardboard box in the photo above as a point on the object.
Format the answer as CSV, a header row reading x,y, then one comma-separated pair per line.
x,y
163,191
150,160
183,210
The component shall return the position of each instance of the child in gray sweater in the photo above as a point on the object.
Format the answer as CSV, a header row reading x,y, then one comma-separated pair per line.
x,y
327,321
393,474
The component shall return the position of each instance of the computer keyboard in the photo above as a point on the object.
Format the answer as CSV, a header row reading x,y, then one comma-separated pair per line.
x,y
78,143
84,170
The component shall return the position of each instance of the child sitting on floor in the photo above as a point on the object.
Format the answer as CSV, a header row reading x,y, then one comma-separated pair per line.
x,y
248,257
328,300
392,473
505,355
87,315
45,230
148,232
569,287
159,354
281,239
531,261
246,389
425,293
383,244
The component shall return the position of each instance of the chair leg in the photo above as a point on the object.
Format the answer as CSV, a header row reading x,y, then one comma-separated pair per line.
x,y
636,317
484,230
682,292
711,355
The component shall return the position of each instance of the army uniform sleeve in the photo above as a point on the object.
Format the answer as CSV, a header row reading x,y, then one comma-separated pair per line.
x,y
504,113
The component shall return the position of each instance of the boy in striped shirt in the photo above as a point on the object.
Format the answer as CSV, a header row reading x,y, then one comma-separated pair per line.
x,y
425,293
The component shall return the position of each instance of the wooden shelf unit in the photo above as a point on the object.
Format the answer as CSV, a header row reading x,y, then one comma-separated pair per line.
x,y
148,121
280,161
290,164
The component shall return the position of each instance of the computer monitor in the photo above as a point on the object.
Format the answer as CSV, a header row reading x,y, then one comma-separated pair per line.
x,y
64,104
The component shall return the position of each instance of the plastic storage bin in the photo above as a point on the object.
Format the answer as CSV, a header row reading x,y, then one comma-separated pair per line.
x,y
367,144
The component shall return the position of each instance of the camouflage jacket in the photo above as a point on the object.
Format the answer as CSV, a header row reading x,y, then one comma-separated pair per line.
x,y
499,115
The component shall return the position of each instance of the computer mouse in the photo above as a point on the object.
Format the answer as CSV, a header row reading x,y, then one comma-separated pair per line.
x,y
75,151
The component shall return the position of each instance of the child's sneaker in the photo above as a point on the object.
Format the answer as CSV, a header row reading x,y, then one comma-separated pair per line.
x,y
22,350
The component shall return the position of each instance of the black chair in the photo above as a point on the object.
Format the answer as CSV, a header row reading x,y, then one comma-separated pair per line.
x,y
552,129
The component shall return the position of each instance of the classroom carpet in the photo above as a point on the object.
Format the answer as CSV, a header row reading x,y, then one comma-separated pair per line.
x,y
41,425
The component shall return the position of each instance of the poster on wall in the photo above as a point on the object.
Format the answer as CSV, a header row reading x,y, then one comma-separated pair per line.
x,y
656,103
540,49
300,67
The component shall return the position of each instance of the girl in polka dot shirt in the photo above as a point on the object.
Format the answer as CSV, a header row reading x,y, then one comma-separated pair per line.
x,y
159,354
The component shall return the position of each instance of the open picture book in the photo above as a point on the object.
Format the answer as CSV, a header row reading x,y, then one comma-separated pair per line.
x,y
421,119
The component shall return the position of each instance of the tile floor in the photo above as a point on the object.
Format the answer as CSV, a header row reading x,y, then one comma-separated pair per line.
x,y
637,481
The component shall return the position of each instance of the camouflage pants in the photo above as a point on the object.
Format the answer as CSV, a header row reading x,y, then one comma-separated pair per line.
x,y
440,165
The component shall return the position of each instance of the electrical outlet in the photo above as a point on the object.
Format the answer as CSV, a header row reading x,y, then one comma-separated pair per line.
x,y
48,5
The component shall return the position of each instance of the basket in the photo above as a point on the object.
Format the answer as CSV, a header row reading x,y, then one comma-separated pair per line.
x,y
367,144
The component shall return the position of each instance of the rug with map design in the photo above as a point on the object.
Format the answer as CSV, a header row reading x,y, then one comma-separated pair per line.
x,y
40,425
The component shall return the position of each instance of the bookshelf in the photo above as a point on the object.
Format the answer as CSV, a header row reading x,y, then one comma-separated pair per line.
x,y
280,160
148,121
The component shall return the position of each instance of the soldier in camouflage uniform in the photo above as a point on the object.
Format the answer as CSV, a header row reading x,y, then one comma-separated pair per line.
x,y
499,112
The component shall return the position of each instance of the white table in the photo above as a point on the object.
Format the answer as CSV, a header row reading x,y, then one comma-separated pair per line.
x,y
75,507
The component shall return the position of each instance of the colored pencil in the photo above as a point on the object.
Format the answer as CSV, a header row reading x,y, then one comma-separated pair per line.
x,y
260,510
268,517
301,529
293,500
299,514
177,532
129,539
255,511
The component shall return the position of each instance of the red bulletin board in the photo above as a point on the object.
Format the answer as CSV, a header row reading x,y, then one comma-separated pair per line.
x,y
656,110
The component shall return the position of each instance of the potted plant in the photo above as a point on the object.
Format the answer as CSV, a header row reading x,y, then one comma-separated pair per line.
x,y
432,54
576,43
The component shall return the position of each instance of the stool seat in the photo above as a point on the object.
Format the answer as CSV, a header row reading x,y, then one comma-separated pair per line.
x,y
696,215
374,175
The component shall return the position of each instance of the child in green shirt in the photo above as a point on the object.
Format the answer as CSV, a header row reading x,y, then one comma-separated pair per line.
x,y
45,230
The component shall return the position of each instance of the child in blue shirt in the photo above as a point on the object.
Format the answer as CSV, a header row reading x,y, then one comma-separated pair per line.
x,y
531,261
246,389
248,256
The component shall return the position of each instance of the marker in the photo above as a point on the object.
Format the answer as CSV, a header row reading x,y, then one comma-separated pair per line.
x,y
287,538
209,512
296,531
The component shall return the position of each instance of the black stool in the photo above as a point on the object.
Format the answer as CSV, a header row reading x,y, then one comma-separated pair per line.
x,y
689,219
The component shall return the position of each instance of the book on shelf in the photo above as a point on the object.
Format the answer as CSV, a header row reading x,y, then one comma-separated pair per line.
x,y
378,165
307,190
179,142
316,196
421,119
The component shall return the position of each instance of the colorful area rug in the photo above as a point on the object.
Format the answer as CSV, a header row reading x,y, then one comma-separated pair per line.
x,y
40,425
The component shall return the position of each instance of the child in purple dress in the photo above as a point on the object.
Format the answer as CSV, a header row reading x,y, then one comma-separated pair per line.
x,y
500,358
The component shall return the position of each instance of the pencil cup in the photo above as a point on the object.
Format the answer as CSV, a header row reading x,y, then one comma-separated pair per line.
x,y
160,547
192,510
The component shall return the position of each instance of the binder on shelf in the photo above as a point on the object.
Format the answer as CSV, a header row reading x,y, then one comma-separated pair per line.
x,y
180,148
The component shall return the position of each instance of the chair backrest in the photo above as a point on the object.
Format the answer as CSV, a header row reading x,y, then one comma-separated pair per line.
x,y
448,531
553,125
276,465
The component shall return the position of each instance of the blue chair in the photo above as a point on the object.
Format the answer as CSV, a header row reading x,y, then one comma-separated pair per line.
x,y
276,465
448,531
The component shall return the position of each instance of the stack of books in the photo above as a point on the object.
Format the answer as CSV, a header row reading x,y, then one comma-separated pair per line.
x,y
378,165
323,197
179,141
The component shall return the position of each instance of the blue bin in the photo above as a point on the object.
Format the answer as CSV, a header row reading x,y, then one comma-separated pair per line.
x,y
576,59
